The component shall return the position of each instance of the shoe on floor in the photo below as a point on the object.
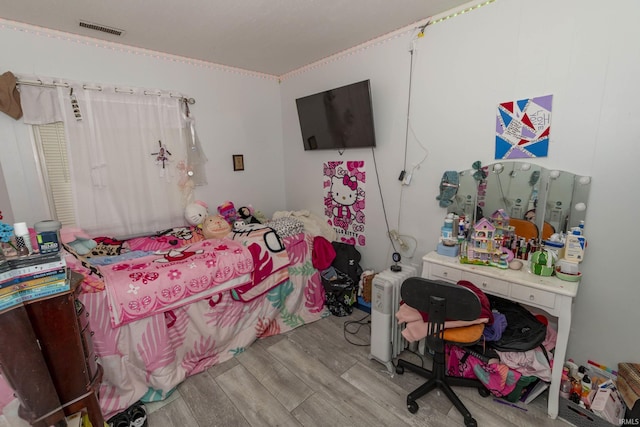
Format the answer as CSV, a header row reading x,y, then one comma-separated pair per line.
x,y
119,420
137,415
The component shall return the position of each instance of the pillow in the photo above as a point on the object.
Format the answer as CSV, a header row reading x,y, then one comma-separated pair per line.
x,y
106,246
286,227
152,243
185,235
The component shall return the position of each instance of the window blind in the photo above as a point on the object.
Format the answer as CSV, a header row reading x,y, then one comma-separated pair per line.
x,y
52,150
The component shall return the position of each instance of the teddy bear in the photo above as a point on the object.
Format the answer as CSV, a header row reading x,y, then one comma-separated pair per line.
x,y
196,212
215,227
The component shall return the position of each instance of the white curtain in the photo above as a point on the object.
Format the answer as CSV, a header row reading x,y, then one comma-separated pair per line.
x,y
127,154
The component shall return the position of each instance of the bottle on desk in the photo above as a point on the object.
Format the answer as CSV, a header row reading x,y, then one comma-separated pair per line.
x,y
575,245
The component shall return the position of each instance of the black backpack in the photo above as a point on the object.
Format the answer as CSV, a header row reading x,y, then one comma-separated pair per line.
x,y
347,260
524,331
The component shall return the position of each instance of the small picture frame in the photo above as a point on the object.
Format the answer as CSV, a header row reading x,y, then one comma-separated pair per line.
x,y
238,162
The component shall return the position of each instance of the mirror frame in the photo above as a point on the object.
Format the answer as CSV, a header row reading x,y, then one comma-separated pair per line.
x,y
555,189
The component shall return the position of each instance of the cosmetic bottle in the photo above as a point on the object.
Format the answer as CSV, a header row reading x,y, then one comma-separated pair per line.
x,y
565,387
23,240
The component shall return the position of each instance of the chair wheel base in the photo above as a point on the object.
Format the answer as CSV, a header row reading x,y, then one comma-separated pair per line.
x,y
399,370
412,407
483,391
470,422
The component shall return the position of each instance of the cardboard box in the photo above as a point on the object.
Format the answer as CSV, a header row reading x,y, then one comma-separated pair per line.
x,y
607,404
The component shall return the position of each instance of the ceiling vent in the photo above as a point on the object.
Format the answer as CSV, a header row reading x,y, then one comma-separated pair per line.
x,y
104,29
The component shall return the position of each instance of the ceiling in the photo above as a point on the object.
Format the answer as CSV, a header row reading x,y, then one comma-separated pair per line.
x,y
266,36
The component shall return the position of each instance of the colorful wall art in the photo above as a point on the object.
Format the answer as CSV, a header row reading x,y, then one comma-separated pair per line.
x,y
344,196
522,128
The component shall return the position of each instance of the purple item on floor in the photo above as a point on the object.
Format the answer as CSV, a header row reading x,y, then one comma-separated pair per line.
x,y
494,331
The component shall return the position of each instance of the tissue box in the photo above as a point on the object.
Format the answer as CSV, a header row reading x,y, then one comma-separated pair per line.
x,y
607,404
451,251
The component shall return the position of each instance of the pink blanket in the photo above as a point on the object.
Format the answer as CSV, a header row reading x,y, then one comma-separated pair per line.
x,y
270,260
169,279
145,360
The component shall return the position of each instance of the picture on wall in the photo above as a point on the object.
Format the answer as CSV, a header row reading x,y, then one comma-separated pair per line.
x,y
344,200
522,128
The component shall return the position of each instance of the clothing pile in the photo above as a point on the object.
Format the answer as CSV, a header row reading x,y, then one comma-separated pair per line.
x,y
515,344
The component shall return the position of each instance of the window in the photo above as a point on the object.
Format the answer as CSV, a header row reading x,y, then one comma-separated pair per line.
x,y
51,146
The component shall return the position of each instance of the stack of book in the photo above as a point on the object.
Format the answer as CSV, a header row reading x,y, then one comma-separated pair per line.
x,y
31,277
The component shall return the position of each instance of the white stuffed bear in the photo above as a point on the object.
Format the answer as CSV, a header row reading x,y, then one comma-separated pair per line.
x,y
196,212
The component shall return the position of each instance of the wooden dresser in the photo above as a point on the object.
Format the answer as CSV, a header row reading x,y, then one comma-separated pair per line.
x,y
46,355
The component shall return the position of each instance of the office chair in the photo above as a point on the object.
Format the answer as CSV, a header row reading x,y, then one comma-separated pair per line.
x,y
441,300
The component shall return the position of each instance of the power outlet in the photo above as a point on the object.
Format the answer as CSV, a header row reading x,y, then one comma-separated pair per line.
x,y
407,179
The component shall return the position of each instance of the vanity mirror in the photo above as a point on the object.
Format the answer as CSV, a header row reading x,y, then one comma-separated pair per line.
x,y
524,191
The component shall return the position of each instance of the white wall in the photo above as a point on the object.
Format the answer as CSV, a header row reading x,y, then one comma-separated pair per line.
x,y
234,114
584,53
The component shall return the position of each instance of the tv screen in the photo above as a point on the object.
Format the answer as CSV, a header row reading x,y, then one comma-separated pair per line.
x,y
338,118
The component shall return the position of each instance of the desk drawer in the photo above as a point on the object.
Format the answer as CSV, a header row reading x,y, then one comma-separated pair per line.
x,y
535,296
487,284
441,272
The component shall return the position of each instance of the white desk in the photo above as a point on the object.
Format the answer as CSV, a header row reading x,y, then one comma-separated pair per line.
x,y
550,294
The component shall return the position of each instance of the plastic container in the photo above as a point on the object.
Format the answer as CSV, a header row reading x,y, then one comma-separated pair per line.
x,y
565,386
23,240
586,387
447,229
574,247
48,235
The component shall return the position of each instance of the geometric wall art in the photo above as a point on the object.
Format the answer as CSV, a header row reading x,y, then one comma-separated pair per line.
x,y
522,128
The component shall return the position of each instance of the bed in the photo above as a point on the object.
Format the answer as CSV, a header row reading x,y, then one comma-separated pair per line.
x,y
178,304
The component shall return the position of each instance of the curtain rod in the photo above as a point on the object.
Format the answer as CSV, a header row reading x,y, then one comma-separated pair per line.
x,y
40,83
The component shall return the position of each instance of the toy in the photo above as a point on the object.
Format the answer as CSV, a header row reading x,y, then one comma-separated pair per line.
x,y
196,212
246,213
215,227
228,211
239,224
484,246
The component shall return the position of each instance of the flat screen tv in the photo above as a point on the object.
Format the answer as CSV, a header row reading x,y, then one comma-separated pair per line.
x,y
337,119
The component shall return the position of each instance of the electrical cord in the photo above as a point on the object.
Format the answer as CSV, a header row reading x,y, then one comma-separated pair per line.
x,y
397,237
354,331
384,210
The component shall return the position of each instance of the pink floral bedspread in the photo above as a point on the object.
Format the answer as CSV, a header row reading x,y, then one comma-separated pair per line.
x,y
146,359
168,279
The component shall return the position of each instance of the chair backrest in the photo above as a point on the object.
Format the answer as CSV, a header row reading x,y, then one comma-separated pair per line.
x,y
547,230
460,303
524,228
441,301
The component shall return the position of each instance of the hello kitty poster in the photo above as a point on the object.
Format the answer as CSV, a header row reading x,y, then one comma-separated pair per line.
x,y
344,196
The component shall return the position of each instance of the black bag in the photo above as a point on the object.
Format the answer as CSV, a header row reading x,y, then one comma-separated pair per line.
x,y
340,294
524,331
347,260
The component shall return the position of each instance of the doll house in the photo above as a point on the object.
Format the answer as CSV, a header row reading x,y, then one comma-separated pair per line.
x,y
484,245
503,231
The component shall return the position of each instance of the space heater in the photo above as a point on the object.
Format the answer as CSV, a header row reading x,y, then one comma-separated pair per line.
x,y
386,339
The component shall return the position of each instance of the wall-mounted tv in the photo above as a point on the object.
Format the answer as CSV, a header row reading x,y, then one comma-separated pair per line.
x,y
337,119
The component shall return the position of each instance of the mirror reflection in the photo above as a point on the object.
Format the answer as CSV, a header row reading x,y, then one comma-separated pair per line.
x,y
554,200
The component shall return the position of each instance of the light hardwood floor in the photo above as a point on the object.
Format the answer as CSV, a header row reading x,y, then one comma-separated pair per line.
x,y
318,375
315,376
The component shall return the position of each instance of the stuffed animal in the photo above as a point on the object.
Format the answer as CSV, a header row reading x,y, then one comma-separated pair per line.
x,y
215,227
239,224
196,212
246,213
228,211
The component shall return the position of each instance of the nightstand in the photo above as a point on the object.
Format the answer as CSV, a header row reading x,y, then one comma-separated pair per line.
x,y
47,358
